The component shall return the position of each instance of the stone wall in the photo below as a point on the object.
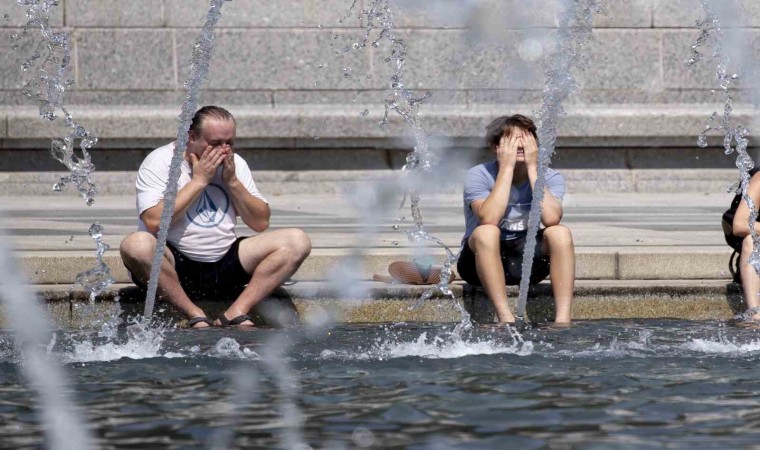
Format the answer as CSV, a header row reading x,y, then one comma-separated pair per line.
x,y
275,67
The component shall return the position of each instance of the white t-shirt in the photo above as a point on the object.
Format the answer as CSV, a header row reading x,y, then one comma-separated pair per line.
x,y
206,230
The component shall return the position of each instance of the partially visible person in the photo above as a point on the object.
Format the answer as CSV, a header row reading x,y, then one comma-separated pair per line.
x,y
204,258
739,237
497,202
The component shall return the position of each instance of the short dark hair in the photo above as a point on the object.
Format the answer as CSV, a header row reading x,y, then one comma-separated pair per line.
x,y
209,112
504,125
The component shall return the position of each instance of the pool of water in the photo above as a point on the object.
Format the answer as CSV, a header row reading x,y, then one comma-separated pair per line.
x,y
600,384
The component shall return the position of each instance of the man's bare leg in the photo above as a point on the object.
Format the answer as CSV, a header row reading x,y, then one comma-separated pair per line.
x,y
485,242
271,258
750,279
558,243
137,252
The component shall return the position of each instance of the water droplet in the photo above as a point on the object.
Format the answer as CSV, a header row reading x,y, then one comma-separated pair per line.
x,y
702,141
316,138
346,72
395,243
58,187
364,113
320,26
396,227
7,16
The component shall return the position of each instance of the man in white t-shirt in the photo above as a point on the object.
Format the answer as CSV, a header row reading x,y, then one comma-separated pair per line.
x,y
497,202
204,258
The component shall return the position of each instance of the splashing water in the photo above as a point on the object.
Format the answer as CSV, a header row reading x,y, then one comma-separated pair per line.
x,y
199,66
51,57
735,136
378,15
574,33
62,425
98,279
448,345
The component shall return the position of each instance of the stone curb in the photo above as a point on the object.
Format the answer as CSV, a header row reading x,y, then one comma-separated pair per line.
x,y
342,121
693,300
50,267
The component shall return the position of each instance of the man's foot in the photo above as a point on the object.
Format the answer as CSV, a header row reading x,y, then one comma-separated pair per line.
x,y
242,320
200,322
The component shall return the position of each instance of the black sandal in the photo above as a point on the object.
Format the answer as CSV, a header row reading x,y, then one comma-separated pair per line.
x,y
233,322
199,319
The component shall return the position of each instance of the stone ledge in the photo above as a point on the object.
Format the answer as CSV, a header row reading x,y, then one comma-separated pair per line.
x,y
694,300
344,121
319,182
690,263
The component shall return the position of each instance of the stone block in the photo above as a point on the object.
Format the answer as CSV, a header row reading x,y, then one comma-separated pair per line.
x,y
277,59
263,13
695,158
114,13
17,16
125,59
596,265
359,98
125,122
685,13
626,14
449,59
684,180
596,180
12,77
675,265
624,59
741,46
487,17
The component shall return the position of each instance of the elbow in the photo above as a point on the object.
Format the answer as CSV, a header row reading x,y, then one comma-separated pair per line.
x,y
551,220
260,225
741,230
153,226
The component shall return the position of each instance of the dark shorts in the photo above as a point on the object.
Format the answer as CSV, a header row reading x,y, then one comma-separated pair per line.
x,y
222,280
511,261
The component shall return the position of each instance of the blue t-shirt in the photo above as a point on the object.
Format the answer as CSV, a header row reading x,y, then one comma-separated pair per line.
x,y
480,181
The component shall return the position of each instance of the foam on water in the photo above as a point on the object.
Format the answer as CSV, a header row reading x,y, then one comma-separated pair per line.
x,y
229,348
141,343
435,347
722,346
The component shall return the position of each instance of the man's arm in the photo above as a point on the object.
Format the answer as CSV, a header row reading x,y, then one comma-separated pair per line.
x,y
551,207
253,211
741,218
491,210
204,170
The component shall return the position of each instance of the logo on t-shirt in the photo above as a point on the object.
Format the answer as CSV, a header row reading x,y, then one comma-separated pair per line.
x,y
211,208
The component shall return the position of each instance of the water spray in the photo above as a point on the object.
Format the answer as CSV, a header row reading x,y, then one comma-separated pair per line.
x,y
574,33
199,66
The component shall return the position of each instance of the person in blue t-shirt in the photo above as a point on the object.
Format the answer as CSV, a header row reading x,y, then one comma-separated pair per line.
x,y
497,201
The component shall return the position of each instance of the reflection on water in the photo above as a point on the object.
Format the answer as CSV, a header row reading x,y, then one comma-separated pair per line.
x,y
599,384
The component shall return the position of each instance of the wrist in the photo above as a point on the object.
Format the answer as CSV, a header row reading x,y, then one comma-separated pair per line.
x,y
199,182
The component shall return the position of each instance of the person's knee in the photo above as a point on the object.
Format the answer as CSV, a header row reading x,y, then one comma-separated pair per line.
x,y
485,236
138,245
299,244
558,236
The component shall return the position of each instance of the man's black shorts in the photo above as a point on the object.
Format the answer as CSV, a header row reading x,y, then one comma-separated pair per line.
x,y
222,280
511,261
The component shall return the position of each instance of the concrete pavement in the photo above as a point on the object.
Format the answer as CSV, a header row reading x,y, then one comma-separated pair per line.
x,y
639,255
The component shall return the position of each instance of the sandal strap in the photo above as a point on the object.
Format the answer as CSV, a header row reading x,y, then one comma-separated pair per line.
x,y
199,319
232,322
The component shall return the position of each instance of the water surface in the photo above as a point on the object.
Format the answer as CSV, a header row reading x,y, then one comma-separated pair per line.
x,y
601,384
